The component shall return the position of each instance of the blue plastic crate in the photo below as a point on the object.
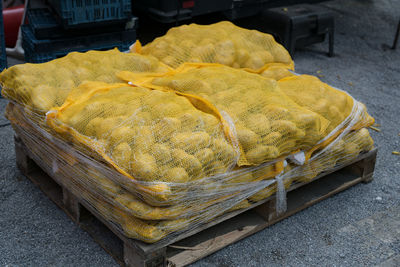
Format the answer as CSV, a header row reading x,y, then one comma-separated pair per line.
x,y
38,51
3,55
44,24
80,12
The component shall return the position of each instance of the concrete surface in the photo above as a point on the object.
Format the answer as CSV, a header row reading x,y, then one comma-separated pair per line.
x,y
358,227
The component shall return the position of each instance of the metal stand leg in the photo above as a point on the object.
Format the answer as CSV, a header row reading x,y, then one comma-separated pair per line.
x,y
331,35
396,37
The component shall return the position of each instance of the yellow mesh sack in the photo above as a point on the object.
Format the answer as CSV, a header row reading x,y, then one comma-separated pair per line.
x,y
222,42
266,123
309,91
149,135
333,104
46,85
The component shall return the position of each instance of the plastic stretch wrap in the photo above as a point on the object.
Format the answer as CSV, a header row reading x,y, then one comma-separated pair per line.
x,y
222,42
110,192
166,155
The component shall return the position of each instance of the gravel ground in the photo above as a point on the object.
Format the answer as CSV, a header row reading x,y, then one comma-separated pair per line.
x,y
358,227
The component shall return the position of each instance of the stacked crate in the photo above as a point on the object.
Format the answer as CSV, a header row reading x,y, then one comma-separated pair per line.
x,y
70,25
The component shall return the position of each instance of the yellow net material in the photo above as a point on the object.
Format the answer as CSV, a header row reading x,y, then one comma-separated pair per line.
x,y
266,123
308,91
222,42
151,135
46,85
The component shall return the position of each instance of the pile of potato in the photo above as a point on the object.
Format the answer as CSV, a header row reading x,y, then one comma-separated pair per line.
x,y
150,134
266,122
221,42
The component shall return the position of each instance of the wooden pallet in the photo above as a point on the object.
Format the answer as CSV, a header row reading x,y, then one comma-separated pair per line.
x,y
207,238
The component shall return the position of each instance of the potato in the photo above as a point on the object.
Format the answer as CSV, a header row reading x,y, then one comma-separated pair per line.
x,y
225,52
242,55
306,120
144,166
191,141
141,117
92,127
43,97
247,138
276,112
122,134
280,54
205,52
168,109
176,175
122,155
364,140
191,164
211,123
144,138
223,151
262,153
205,156
169,60
216,167
272,138
190,121
258,123
166,127
284,127
105,128
258,59
321,106
352,150
239,108
288,145
162,153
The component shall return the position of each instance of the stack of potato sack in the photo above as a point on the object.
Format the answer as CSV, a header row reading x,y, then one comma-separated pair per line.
x,y
160,149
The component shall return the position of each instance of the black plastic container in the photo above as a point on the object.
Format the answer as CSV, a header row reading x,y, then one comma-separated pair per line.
x,y
37,51
167,11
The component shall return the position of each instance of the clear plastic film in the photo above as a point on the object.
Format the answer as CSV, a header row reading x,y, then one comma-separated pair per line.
x,y
222,42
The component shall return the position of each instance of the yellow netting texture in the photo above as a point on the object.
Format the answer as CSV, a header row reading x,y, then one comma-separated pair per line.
x,y
43,86
308,91
266,122
149,134
221,42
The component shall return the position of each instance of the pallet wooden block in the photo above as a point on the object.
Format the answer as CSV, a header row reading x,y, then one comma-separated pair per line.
x,y
206,238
